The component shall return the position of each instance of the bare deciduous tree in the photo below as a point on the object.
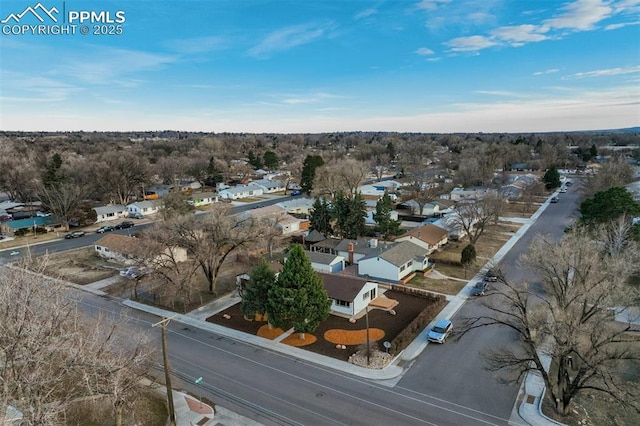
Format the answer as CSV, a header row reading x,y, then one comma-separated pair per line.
x,y
52,356
120,174
570,321
473,217
615,172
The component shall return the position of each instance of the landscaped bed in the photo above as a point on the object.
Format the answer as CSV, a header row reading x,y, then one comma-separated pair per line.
x,y
408,308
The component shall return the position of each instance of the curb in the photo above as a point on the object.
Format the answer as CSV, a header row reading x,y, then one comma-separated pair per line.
x,y
386,373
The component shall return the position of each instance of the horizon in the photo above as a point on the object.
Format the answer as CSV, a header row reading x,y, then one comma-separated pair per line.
x,y
292,67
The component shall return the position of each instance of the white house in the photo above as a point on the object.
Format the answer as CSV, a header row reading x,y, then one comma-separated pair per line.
x,y
128,250
299,205
241,191
396,264
369,218
476,193
430,237
111,212
326,263
203,198
144,208
370,190
348,295
269,186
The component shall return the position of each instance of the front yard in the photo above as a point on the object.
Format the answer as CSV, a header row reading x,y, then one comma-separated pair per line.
x,y
80,266
387,326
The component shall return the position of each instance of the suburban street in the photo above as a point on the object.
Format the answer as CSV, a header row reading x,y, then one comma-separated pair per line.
x,y
454,371
446,385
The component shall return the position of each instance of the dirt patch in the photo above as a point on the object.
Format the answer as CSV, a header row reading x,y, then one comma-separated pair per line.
x,y
439,286
269,332
353,337
407,310
296,340
81,266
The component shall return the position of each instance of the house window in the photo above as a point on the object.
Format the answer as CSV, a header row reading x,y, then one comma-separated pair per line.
x,y
402,268
343,303
373,293
365,296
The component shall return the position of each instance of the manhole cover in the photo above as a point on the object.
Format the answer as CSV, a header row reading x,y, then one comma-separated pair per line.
x,y
319,394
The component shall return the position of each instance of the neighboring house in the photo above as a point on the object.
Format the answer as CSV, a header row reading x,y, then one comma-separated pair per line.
x,y
450,223
188,184
477,193
369,218
298,206
348,295
128,250
326,263
48,222
354,250
269,186
387,185
396,264
314,236
202,198
144,208
111,212
241,191
370,190
280,218
430,237
327,245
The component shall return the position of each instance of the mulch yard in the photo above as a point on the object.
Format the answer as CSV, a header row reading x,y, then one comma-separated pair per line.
x,y
391,325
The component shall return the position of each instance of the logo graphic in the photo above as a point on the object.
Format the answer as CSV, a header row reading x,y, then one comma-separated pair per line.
x,y
34,11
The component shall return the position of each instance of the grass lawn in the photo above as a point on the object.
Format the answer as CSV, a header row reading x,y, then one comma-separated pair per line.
x,y
440,286
81,266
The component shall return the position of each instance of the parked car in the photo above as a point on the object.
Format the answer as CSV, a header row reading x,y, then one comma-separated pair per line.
x,y
296,193
104,229
568,183
136,215
480,288
554,199
124,225
440,331
132,273
74,234
563,190
492,275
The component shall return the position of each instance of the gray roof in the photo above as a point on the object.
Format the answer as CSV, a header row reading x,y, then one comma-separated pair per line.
x,y
314,236
362,246
400,254
322,258
342,287
109,209
331,243
202,195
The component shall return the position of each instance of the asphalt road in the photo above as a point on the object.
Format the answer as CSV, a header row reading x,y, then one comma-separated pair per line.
x,y
91,237
455,371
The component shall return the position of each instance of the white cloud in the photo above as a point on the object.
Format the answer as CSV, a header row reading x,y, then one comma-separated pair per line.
x,y
549,71
423,51
105,65
581,15
605,72
521,33
290,37
307,98
621,25
365,13
431,4
469,44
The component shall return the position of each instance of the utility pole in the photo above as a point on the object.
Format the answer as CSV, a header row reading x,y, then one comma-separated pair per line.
x,y
366,316
167,375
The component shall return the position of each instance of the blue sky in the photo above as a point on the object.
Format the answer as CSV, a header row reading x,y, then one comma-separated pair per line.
x,y
321,66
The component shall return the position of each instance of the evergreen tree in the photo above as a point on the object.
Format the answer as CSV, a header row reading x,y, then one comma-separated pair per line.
x,y
213,174
391,151
349,213
551,178
309,166
53,174
606,206
270,160
321,217
384,223
254,295
254,160
468,257
593,151
298,297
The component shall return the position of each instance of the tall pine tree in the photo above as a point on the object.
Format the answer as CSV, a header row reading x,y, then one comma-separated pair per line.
x,y
321,217
254,295
350,214
298,297
384,223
